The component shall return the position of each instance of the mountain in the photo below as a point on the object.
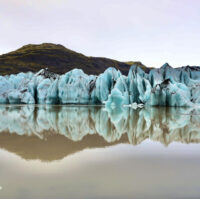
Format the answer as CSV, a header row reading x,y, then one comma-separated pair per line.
x,y
58,59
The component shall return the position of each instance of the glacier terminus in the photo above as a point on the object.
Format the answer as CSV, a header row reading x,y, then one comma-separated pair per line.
x,y
165,86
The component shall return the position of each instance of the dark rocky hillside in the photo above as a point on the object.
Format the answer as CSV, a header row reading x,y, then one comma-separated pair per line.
x,y
58,59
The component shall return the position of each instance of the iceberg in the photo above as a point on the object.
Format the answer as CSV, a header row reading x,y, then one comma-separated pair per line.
x,y
166,86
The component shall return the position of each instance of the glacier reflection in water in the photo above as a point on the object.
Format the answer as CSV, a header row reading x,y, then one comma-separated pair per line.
x,y
158,124
43,134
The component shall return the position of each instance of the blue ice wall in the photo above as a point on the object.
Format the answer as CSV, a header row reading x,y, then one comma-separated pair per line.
x,y
165,86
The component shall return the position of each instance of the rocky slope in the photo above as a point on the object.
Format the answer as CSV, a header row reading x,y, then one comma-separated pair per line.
x,y
58,59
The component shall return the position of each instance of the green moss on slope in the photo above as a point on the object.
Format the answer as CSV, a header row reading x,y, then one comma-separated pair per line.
x,y
58,59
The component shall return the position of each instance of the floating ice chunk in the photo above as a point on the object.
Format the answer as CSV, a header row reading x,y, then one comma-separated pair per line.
x,y
140,105
134,105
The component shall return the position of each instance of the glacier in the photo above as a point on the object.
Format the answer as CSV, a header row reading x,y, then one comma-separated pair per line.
x,y
166,86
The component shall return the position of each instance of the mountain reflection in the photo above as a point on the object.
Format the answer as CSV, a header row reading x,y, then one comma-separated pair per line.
x,y
53,132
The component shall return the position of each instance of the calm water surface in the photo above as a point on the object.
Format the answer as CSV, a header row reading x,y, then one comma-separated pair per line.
x,y
58,152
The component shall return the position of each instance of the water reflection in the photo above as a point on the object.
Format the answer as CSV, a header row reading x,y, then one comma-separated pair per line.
x,y
149,170
53,132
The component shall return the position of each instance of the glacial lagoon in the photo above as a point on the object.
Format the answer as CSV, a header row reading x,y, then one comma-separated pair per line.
x,y
89,152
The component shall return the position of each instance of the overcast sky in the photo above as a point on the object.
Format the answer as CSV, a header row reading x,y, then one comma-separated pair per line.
x,y
150,31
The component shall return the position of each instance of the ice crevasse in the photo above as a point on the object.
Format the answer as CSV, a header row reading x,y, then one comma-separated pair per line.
x,y
165,86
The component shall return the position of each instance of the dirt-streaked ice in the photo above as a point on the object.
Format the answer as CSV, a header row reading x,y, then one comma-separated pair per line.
x,y
166,86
